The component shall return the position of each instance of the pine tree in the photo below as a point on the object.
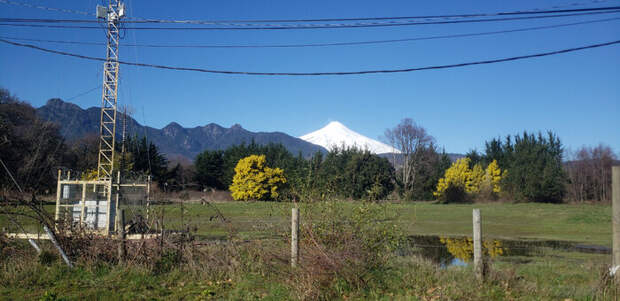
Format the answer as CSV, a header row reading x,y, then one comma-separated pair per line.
x,y
210,169
532,167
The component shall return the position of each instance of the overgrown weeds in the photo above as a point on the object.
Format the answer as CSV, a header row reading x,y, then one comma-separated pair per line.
x,y
347,251
343,251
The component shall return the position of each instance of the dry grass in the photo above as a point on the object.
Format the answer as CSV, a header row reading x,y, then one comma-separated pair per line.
x,y
347,252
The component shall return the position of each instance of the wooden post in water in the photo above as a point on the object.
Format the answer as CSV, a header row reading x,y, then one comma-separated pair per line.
x,y
478,261
615,208
294,237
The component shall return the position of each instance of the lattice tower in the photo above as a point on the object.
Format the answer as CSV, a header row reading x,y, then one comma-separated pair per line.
x,y
107,129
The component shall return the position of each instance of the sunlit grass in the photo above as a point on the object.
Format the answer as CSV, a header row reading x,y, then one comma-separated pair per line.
x,y
546,274
589,224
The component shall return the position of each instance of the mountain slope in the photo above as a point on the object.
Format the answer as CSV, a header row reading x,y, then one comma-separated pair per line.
x,y
335,134
173,140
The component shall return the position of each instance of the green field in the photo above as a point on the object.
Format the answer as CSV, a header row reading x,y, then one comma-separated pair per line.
x,y
589,224
250,267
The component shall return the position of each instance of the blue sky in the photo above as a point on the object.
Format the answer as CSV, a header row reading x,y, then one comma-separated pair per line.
x,y
576,95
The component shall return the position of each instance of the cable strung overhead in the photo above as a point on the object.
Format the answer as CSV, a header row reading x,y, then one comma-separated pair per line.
x,y
70,11
249,22
552,9
428,17
492,61
448,36
252,26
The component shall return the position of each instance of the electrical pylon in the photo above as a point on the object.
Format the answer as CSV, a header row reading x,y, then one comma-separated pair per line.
x,y
113,14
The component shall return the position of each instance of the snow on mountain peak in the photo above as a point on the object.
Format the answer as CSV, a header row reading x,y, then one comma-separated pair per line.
x,y
335,124
336,134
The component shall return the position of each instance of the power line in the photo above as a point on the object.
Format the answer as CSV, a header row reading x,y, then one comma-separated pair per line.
x,y
428,17
461,35
83,93
251,22
63,41
71,11
492,61
555,8
321,26
38,20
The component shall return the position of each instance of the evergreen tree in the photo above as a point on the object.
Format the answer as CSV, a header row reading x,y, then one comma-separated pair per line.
x,y
533,164
210,169
474,158
352,173
145,158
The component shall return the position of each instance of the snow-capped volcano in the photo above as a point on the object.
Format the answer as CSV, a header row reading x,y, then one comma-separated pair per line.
x,y
335,134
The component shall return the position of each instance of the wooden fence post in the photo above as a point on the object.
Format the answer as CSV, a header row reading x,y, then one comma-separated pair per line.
x,y
83,210
120,230
615,208
58,195
294,237
478,260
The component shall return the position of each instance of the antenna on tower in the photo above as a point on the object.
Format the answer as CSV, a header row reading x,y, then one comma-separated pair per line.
x,y
113,14
89,211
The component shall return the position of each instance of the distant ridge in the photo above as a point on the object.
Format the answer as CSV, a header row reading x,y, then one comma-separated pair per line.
x,y
336,134
173,140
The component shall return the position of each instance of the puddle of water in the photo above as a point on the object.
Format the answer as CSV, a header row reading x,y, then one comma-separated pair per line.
x,y
458,251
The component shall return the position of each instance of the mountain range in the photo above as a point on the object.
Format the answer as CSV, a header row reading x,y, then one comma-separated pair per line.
x,y
172,140
182,143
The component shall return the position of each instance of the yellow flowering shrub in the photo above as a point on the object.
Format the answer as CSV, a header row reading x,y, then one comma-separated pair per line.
x,y
254,180
456,176
475,178
492,177
471,181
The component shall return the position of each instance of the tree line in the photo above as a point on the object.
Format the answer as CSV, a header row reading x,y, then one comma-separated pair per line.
x,y
530,167
341,173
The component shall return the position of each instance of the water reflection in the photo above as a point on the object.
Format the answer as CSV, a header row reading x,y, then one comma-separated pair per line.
x,y
463,248
457,251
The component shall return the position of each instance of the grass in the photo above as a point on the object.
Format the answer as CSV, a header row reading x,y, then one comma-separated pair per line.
x,y
549,274
582,223
589,224
408,278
